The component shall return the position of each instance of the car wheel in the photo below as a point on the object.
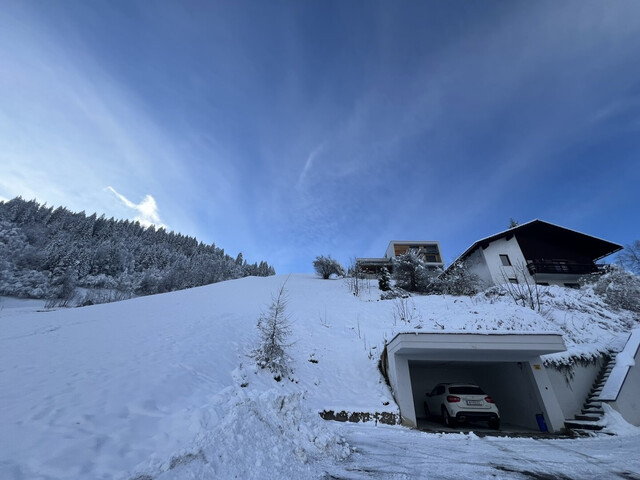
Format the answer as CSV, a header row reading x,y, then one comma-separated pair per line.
x,y
447,419
426,410
494,423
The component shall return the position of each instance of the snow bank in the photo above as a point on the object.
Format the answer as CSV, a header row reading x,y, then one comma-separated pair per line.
x,y
614,424
270,436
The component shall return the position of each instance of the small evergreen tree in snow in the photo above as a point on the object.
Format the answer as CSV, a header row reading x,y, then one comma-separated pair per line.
x,y
274,327
327,266
384,280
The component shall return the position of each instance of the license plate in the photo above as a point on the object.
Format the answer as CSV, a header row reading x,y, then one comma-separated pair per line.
x,y
474,402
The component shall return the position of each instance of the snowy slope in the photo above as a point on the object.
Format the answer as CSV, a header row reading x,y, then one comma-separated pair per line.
x,y
161,386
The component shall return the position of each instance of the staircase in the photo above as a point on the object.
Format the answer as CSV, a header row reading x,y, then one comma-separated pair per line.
x,y
588,421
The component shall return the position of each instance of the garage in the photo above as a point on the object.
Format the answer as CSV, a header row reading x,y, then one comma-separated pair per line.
x,y
507,366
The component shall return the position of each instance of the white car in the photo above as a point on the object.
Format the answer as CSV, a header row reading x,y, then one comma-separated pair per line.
x,y
461,402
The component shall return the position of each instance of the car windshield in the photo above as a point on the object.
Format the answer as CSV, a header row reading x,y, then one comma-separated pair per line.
x,y
466,390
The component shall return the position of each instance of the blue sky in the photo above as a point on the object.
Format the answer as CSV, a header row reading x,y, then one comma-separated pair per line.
x,y
289,129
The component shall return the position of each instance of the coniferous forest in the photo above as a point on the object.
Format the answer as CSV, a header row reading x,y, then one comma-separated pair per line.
x,y
74,258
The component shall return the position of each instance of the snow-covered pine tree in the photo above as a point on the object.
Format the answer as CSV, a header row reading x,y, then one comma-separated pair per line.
x,y
410,272
39,243
274,327
384,279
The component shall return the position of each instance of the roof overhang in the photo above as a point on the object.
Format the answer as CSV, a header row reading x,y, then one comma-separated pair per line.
x,y
466,347
373,260
412,242
595,247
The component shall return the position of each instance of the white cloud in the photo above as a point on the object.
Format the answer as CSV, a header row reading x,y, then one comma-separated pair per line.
x,y
147,209
309,163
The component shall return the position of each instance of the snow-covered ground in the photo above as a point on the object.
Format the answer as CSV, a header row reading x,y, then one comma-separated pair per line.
x,y
162,387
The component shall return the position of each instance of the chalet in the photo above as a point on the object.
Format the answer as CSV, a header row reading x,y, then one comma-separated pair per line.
x,y
428,251
536,252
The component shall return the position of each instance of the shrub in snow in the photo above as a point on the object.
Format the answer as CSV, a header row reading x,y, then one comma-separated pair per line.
x,y
63,289
618,288
355,279
98,296
274,327
525,292
404,310
393,293
327,266
457,281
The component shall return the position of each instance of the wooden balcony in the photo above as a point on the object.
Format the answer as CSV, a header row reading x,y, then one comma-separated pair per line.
x,y
562,268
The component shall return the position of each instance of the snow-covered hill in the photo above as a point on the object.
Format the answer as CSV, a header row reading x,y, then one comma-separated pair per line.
x,y
162,386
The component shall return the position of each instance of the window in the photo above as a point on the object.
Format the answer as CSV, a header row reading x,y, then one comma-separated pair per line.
x,y
505,260
431,249
437,390
430,258
513,280
466,390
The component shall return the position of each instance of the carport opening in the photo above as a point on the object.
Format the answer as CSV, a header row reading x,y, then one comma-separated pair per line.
x,y
510,383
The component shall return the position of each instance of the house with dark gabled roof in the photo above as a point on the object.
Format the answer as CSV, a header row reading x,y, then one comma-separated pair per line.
x,y
536,252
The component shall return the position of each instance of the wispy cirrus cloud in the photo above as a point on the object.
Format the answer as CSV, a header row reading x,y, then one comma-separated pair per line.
x,y
309,163
147,209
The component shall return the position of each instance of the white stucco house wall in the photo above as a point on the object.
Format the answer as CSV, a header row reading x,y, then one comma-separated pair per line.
x,y
535,252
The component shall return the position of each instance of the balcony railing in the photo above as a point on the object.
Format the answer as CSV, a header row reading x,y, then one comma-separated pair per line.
x,y
559,267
